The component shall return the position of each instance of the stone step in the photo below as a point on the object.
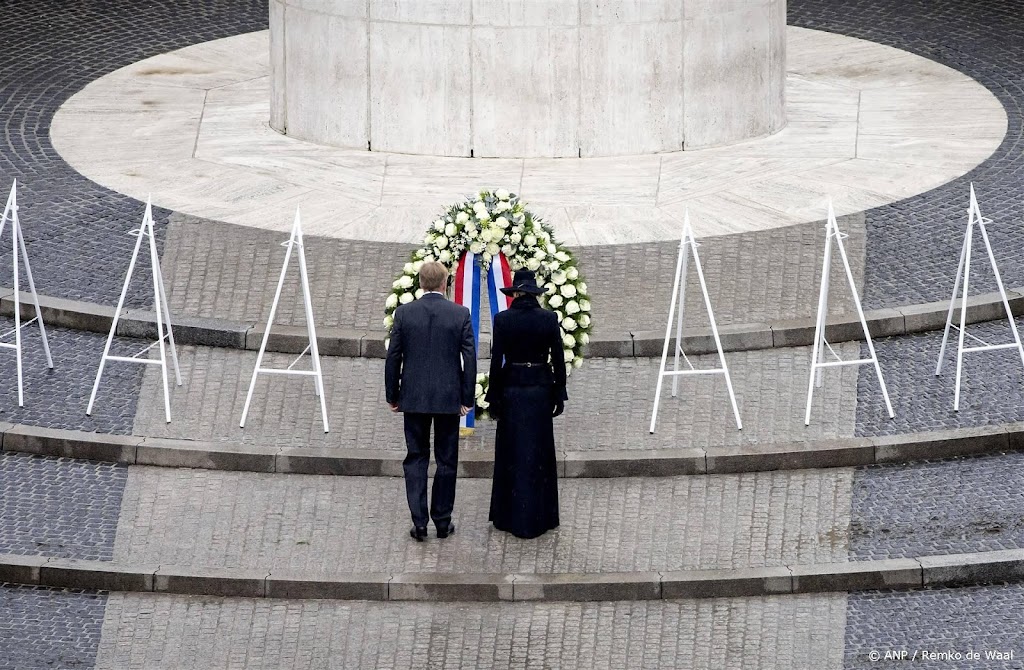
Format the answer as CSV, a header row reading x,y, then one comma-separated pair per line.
x,y
209,455
623,340
925,572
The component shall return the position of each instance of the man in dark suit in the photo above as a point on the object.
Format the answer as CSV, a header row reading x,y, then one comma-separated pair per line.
x,y
430,376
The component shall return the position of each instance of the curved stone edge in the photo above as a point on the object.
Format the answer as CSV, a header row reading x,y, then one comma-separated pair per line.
x,y
209,332
901,573
839,452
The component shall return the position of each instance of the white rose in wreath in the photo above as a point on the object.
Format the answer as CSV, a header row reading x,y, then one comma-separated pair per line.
x,y
555,301
477,247
391,301
533,264
445,257
406,298
441,242
550,288
530,241
515,238
461,217
405,281
569,291
493,249
573,274
450,230
572,307
502,194
584,338
439,225
419,293
568,323
585,305
584,320
558,278
569,341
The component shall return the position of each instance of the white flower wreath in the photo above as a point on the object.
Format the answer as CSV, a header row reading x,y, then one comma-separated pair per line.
x,y
495,223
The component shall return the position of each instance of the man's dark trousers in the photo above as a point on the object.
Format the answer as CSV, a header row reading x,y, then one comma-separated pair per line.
x,y
446,453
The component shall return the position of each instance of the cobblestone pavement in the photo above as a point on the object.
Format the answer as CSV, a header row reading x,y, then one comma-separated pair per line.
x,y
146,631
980,619
992,387
59,507
771,388
221,270
75,229
320,525
945,507
49,628
913,245
58,398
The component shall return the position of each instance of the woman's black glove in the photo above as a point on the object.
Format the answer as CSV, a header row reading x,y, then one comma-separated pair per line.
x,y
559,408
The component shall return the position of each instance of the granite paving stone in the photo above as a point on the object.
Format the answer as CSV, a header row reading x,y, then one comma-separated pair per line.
x,y
946,507
75,229
771,388
316,525
980,619
59,507
58,398
42,628
146,631
220,270
992,385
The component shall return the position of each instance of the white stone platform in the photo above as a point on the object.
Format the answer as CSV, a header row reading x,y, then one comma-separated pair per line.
x,y
868,125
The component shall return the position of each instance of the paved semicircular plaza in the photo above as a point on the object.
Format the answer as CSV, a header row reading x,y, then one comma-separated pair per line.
x,y
314,562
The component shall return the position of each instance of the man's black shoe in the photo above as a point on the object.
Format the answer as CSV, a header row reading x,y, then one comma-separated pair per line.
x,y
418,533
445,532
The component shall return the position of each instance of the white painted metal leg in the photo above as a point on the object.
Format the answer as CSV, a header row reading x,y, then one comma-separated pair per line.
x,y
314,347
155,258
270,323
832,232
819,322
117,316
952,306
17,301
668,330
35,296
167,318
687,244
963,318
863,323
294,243
687,240
1002,291
714,331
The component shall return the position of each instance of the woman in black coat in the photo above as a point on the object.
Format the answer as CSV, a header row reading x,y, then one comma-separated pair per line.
x,y
527,389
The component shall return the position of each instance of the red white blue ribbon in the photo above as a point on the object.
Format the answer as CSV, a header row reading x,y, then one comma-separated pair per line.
x,y
467,294
499,277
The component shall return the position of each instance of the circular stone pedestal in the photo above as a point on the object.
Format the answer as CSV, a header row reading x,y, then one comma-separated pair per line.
x,y
533,78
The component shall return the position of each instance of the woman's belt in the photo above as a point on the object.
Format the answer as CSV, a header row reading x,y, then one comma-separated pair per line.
x,y
528,374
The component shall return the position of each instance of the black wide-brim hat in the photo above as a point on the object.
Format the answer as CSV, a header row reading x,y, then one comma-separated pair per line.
x,y
524,281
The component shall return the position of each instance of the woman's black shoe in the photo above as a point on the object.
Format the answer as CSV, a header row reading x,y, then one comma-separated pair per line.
x,y
445,532
418,533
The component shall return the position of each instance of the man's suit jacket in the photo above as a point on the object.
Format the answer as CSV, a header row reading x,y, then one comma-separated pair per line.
x,y
431,363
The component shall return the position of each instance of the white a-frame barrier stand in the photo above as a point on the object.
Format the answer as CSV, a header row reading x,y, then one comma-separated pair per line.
x,y
974,218
687,245
294,243
18,247
832,233
163,317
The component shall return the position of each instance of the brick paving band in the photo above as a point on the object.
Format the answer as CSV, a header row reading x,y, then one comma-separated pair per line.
x,y
150,632
771,387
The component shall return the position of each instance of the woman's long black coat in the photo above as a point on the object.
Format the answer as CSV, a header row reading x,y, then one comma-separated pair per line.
x,y
524,496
